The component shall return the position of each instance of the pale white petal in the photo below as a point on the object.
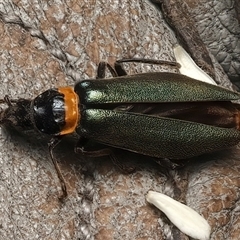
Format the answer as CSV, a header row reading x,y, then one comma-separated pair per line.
x,y
189,67
183,217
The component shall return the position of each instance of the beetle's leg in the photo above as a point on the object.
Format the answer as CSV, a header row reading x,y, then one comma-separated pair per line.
x,y
149,61
80,148
93,153
121,71
118,69
165,162
125,168
102,70
51,145
100,153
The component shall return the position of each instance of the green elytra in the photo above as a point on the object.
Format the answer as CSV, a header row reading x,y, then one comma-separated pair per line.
x,y
150,134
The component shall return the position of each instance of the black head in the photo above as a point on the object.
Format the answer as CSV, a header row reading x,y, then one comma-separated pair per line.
x,y
48,112
17,114
54,112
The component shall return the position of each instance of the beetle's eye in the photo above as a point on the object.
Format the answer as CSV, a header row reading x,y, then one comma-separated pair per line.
x,y
49,112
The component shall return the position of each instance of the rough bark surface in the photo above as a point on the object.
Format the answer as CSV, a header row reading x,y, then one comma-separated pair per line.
x,y
218,23
48,44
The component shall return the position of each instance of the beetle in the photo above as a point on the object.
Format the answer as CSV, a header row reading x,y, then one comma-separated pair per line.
x,y
159,114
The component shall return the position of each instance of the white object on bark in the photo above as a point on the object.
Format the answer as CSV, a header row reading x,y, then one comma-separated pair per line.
x,y
189,67
183,217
